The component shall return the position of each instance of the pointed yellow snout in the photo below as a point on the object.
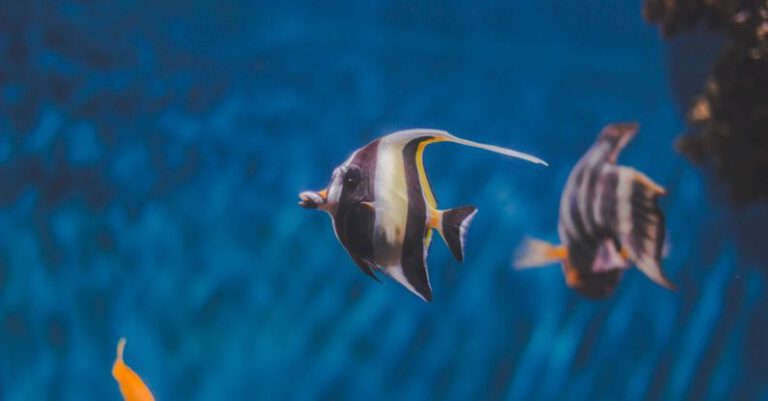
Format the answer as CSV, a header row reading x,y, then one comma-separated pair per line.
x,y
313,200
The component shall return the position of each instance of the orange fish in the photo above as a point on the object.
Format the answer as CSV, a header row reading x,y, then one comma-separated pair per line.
x,y
131,385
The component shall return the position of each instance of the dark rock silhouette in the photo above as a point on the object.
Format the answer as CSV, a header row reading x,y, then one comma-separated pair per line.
x,y
729,120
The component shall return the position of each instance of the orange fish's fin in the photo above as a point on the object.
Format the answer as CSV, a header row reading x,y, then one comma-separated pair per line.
x,y
131,385
593,285
624,253
537,253
645,181
453,225
572,276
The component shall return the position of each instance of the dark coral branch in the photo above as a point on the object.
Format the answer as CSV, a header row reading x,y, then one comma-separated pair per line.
x,y
729,121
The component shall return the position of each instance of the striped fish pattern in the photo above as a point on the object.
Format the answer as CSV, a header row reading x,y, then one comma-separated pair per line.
x,y
383,209
609,220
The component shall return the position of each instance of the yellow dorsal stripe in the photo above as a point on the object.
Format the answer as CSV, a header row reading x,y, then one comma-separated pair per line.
x,y
431,201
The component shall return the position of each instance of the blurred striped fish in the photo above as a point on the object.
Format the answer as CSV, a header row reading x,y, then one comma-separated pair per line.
x,y
609,220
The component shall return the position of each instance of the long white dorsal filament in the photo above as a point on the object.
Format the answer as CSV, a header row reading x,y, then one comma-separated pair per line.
x,y
407,135
497,149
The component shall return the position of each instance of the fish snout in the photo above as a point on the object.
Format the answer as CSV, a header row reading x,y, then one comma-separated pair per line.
x,y
313,200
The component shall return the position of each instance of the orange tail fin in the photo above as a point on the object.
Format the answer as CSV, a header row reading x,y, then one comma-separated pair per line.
x,y
537,253
131,385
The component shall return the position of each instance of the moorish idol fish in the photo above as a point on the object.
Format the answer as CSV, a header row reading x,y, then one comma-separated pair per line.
x,y
609,220
383,209
131,385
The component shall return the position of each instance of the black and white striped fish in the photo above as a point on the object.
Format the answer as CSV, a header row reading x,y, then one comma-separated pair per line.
x,y
609,220
383,208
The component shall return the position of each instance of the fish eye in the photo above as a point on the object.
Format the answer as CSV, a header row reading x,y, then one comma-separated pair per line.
x,y
352,176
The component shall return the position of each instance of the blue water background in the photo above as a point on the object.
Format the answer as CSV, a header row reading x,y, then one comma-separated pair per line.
x,y
150,157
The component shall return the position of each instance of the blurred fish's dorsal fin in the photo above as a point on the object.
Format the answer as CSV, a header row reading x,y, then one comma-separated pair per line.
x,y
617,136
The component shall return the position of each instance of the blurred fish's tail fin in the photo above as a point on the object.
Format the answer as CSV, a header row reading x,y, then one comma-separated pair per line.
x,y
537,253
641,224
120,349
131,386
453,228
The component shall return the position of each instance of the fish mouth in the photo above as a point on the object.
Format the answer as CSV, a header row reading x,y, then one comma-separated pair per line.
x,y
312,199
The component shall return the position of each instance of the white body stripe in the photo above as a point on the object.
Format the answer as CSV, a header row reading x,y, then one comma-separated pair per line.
x,y
594,157
597,207
391,201
624,202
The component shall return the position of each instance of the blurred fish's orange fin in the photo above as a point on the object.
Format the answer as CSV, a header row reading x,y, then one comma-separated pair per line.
x,y
131,386
648,183
624,253
572,277
537,253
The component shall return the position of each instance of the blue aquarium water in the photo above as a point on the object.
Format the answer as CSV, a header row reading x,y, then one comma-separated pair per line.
x,y
151,153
